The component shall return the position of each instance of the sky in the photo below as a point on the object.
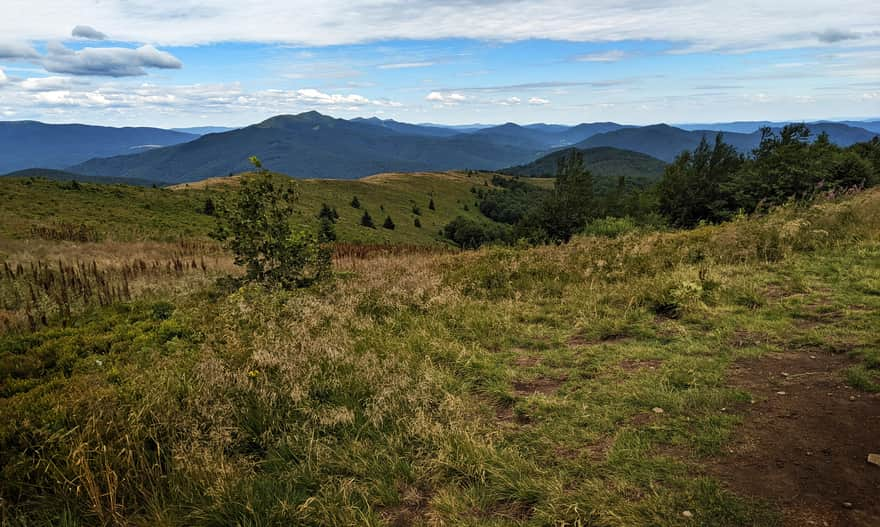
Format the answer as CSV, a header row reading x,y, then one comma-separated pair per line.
x,y
179,63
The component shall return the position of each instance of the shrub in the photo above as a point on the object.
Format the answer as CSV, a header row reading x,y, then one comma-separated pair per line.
x,y
388,224
255,225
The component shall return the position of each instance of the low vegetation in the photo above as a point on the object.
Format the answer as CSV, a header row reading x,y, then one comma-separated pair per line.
x,y
578,384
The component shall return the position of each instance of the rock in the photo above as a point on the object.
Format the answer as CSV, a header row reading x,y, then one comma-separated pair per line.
x,y
847,505
780,393
784,374
813,357
657,410
874,459
687,514
852,397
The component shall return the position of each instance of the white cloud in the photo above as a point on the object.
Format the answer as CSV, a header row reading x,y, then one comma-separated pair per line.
x,y
701,24
45,83
87,32
405,65
537,101
604,56
3,78
446,98
107,62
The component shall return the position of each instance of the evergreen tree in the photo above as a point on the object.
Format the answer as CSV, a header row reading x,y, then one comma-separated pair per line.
x,y
209,208
327,231
417,223
327,213
367,220
431,204
355,203
388,224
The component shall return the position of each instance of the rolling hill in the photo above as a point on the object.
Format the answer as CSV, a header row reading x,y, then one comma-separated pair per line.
x,y
167,214
604,163
26,144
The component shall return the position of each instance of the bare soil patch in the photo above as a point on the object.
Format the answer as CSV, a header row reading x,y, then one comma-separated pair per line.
x,y
805,440
583,340
640,364
544,385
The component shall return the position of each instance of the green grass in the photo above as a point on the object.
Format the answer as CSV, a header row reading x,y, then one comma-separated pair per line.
x,y
128,213
498,387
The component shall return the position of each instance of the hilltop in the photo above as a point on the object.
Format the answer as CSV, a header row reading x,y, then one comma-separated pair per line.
x,y
607,164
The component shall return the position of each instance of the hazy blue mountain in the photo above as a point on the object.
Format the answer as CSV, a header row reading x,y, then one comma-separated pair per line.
x,y
406,128
204,130
25,144
309,145
543,136
604,162
63,175
666,142
871,126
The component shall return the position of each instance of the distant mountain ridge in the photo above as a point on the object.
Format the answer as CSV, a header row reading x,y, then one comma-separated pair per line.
x,y
666,142
27,144
312,145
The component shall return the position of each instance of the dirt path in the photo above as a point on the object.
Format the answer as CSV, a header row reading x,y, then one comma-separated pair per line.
x,y
804,441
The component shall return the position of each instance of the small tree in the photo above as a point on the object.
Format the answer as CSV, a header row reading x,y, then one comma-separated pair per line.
x,y
355,202
431,205
367,220
389,224
327,231
418,223
209,207
255,225
327,213
416,210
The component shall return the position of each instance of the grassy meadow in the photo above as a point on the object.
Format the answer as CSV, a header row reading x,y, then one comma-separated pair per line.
x,y
576,385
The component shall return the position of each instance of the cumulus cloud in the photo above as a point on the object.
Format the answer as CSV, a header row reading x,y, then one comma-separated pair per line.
x,y
604,56
445,98
537,101
833,36
107,62
12,51
87,32
699,24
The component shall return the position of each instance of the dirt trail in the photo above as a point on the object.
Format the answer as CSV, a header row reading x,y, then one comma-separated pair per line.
x,y
804,441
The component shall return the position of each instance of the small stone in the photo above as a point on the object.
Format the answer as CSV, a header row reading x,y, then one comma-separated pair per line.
x,y
780,393
724,409
813,357
847,505
852,397
657,410
687,514
784,374
874,459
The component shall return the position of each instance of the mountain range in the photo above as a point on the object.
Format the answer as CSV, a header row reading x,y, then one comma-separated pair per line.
x,y
312,145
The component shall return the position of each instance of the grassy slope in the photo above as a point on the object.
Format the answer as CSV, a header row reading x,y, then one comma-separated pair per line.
x,y
136,213
500,387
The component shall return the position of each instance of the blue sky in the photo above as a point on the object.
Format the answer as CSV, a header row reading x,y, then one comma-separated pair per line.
x,y
186,63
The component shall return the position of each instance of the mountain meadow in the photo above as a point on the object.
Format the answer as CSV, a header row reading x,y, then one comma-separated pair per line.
x,y
596,338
